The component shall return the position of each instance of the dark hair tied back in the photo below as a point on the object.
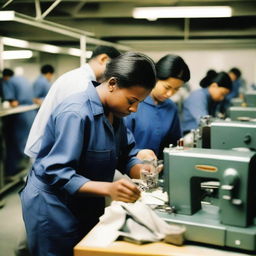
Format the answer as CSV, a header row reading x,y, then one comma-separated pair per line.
x,y
223,80
132,69
172,66
207,80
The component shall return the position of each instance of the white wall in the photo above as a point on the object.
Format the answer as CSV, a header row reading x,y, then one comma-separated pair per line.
x,y
199,61
30,68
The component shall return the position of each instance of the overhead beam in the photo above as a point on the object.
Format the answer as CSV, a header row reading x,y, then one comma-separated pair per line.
x,y
61,29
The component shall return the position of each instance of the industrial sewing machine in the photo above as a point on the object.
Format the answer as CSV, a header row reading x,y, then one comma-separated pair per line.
x,y
250,99
227,220
220,134
242,113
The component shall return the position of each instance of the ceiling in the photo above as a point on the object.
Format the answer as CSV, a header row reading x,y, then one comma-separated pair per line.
x,y
112,21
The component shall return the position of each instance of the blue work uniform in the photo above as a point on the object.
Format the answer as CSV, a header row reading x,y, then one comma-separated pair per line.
x,y
198,104
17,126
79,145
234,93
155,126
41,87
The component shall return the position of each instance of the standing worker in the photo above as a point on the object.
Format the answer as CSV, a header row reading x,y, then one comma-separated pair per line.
x,y
156,123
204,101
18,92
69,83
43,83
85,140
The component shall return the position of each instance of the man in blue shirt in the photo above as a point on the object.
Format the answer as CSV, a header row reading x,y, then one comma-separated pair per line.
x,y
18,91
69,83
43,83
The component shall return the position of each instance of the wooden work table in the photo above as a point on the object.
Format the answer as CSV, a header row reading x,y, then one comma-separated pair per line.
x,y
121,248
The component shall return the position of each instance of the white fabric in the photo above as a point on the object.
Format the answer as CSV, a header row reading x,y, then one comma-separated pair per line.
x,y
69,83
136,222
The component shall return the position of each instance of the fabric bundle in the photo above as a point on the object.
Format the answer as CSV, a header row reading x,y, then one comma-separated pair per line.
x,y
135,222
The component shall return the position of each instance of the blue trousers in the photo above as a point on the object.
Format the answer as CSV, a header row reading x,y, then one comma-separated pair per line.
x,y
55,221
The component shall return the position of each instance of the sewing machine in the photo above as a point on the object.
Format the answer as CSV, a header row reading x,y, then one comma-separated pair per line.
x,y
232,134
250,99
220,134
242,113
229,220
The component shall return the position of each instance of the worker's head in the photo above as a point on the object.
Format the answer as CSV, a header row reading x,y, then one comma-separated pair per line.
x,y
221,85
207,80
234,74
172,72
128,80
48,71
7,74
100,57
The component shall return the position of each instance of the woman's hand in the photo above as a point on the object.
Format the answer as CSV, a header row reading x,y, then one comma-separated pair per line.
x,y
146,154
124,190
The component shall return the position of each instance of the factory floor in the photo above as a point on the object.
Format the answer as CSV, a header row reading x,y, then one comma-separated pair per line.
x,y
11,223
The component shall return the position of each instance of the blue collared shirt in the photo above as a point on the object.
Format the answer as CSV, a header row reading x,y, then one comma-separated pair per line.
x,y
194,107
18,88
41,87
79,144
155,126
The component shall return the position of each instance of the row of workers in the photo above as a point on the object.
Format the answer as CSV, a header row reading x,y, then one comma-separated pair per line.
x,y
18,92
80,137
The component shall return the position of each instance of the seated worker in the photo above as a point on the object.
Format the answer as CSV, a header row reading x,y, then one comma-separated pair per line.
x,y
203,101
85,140
207,80
43,83
237,89
156,123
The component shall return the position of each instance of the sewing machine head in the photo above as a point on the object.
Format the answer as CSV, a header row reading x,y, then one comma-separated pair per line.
x,y
220,134
242,113
186,169
233,134
250,99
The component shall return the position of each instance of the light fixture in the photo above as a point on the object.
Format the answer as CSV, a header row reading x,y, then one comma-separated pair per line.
x,y
19,54
15,42
77,52
7,15
50,48
153,13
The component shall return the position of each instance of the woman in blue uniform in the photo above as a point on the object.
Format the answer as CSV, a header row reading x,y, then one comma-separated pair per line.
x,y
204,101
85,140
156,123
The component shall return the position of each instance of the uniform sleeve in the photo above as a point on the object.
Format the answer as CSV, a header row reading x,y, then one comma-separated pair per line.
x,y
38,89
198,108
175,131
62,161
130,122
129,151
9,91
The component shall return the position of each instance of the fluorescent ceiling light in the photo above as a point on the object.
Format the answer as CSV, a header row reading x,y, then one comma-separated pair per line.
x,y
15,42
77,52
20,54
51,48
153,13
7,15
